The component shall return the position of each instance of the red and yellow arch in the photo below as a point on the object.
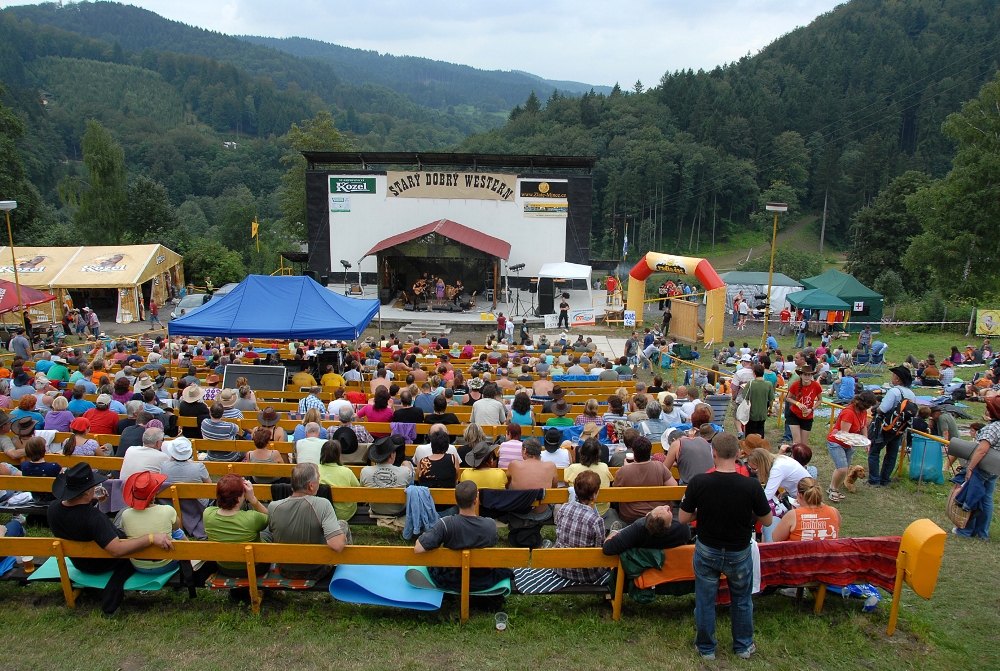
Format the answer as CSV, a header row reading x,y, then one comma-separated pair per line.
x,y
701,269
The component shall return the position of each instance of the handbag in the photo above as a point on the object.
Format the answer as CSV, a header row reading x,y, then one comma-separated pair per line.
x,y
743,409
958,515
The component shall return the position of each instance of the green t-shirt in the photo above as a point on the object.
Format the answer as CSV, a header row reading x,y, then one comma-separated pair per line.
x,y
58,372
336,475
760,392
243,527
156,519
945,421
560,421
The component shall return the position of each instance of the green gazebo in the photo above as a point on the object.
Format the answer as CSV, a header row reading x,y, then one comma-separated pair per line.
x,y
865,305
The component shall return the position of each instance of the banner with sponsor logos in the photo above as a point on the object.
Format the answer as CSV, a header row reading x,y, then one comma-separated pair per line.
x,y
471,185
557,190
345,186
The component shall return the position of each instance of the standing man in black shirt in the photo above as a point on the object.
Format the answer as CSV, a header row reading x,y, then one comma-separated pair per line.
x,y
563,312
73,517
725,504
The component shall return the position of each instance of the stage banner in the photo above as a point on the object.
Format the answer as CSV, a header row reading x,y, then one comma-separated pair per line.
x,y
583,317
988,323
552,321
472,185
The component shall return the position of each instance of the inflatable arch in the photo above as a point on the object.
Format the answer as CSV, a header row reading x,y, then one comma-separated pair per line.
x,y
715,310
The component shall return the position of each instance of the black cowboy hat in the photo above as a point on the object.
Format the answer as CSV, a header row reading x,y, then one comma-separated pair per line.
x,y
903,374
382,448
75,481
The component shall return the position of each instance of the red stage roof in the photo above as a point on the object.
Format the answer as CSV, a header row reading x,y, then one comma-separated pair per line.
x,y
453,231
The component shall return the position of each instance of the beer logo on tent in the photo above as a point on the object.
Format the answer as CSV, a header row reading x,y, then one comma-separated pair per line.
x,y
105,264
32,265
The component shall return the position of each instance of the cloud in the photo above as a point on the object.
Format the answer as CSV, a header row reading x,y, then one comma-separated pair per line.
x,y
582,40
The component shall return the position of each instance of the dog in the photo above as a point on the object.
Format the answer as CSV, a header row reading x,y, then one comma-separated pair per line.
x,y
853,475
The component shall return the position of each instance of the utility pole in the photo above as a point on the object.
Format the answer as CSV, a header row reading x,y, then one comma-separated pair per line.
x,y
822,230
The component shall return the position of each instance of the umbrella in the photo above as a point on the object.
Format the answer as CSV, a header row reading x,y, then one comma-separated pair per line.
x,y
29,297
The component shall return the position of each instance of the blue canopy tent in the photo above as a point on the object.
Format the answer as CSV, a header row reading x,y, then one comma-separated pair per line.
x,y
282,308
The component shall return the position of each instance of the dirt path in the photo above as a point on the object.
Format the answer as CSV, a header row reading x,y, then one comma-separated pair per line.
x,y
732,260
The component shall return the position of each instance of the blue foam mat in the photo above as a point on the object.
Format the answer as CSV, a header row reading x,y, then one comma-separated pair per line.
x,y
381,586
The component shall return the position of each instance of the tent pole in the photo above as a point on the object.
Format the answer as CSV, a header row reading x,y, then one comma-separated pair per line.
x,y
496,276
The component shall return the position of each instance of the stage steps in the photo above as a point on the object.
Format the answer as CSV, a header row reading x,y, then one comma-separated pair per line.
x,y
433,328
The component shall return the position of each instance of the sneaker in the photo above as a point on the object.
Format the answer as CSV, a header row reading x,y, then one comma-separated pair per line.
x,y
708,656
616,526
546,544
20,518
748,652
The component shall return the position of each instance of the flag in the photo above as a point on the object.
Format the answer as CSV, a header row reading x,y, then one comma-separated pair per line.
x,y
625,247
255,232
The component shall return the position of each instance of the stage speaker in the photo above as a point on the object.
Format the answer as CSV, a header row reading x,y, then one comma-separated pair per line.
x,y
313,274
533,285
408,307
546,296
324,280
385,295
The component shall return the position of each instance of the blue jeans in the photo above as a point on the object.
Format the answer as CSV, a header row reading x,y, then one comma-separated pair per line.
x,y
786,437
736,317
709,564
800,339
877,476
979,520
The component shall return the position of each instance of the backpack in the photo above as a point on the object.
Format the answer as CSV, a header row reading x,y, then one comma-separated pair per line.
x,y
889,425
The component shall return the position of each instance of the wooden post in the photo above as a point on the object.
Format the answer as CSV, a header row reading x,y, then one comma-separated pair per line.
x,y
616,604
67,585
466,571
252,576
177,504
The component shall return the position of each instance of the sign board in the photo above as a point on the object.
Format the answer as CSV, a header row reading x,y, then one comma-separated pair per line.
x,y
583,317
349,185
473,185
629,317
552,321
340,203
859,306
269,378
556,189
988,323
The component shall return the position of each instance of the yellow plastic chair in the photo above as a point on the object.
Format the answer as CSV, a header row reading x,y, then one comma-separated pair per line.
x,y
918,563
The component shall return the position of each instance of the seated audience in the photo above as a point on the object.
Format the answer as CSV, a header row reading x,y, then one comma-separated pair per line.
x,y
463,531
333,473
813,520
657,530
481,461
556,450
589,454
73,517
307,519
579,526
644,472
530,472
144,516
385,474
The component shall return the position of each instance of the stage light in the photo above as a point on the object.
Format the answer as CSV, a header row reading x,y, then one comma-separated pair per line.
x,y
515,268
346,264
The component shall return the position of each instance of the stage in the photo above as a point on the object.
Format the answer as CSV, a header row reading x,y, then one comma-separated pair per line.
x,y
578,299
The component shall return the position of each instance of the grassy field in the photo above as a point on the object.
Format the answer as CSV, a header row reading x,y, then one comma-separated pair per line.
x,y
953,630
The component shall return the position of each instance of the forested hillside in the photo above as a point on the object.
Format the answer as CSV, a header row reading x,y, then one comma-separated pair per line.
x,y
829,113
428,82
201,132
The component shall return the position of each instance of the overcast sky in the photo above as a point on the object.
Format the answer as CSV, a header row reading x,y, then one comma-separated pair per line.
x,y
597,42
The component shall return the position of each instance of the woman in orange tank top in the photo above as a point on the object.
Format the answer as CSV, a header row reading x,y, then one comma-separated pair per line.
x,y
812,520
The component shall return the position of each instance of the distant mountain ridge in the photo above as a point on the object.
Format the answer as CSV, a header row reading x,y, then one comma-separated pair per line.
x,y
309,63
429,82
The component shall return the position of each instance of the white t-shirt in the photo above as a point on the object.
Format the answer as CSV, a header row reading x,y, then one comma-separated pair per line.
x,y
785,474
687,409
560,457
335,406
141,458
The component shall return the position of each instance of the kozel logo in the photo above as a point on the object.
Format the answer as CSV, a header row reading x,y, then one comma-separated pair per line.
x,y
105,265
352,184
